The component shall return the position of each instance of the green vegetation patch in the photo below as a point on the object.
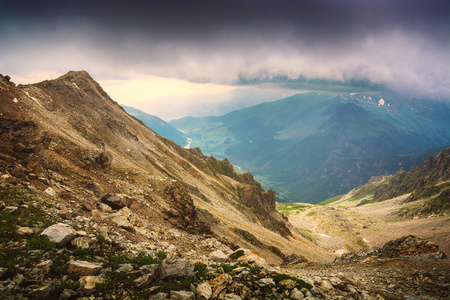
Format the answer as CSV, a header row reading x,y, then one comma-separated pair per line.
x,y
299,284
237,254
291,208
331,200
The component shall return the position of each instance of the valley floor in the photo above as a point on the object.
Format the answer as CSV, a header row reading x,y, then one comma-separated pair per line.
x,y
344,226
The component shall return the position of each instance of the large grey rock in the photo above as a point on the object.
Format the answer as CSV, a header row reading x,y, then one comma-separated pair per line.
x,y
175,268
59,233
83,268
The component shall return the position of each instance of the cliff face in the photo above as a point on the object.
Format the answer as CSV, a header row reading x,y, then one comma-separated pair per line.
x,y
70,128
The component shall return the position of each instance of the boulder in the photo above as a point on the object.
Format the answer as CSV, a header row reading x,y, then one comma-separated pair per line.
x,y
116,201
204,291
176,268
219,256
83,268
219,285
104,160
59,233
123,222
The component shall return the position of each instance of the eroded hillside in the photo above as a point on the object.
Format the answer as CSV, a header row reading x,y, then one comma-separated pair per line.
x,y
68,134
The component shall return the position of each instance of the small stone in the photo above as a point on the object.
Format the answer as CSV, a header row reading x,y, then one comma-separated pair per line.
x,y
125,268
144,281
19,147
266,281
96,188
10,209
67,294
43,292
287,284
296,294
25,231
123,222
105,207
51,192
181,295
326,285
149,269
232,297
65,214
87,283
59,233
81,242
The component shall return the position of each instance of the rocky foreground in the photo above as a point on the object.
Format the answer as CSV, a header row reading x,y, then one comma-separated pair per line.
x,y
47,252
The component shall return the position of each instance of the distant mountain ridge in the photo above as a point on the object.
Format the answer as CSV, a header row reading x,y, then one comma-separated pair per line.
x,y
310,147
160,126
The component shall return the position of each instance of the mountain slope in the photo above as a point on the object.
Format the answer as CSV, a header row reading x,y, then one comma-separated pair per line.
x,y
427,187
159,126
70,128
313,146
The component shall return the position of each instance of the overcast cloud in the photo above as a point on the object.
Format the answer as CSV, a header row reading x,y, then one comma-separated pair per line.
x,y
402,45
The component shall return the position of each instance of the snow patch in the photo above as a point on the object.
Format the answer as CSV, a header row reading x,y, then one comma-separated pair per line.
x,y
35,100
381,102
75,85
15,100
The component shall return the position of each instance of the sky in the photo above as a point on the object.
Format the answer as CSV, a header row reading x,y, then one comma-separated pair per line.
x,y
146,52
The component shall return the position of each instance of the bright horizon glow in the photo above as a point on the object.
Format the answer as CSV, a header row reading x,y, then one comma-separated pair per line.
x,y
134,91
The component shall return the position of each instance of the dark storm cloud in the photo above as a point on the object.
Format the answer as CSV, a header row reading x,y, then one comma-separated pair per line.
x,y
403,45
